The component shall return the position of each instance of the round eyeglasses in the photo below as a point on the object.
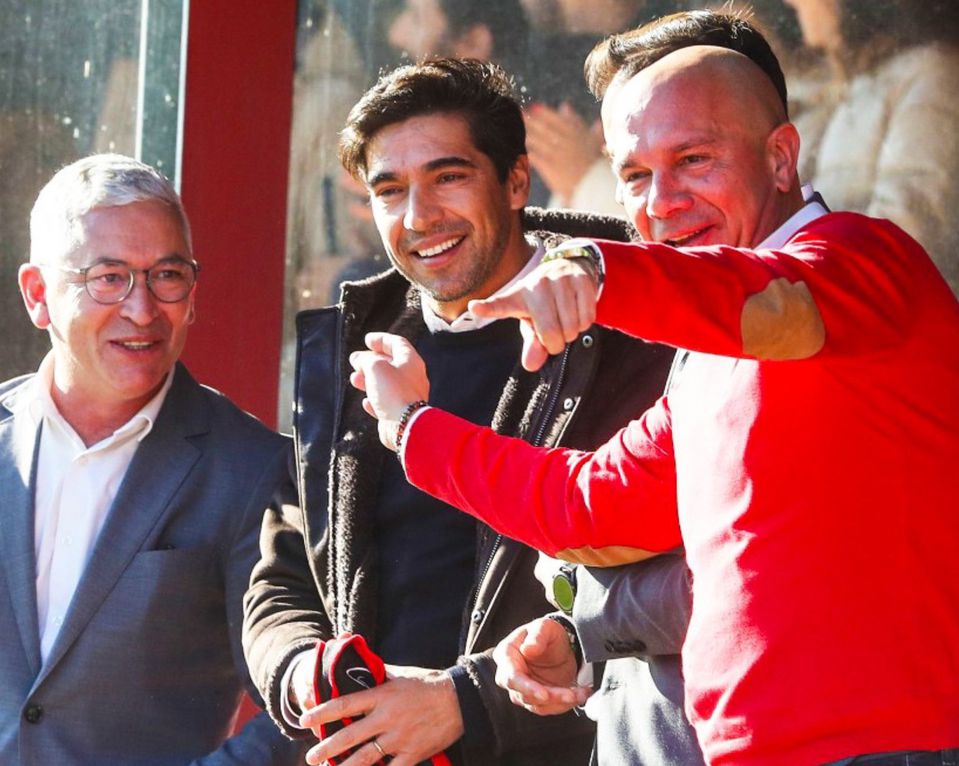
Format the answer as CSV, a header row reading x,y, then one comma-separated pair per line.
x,y
107,283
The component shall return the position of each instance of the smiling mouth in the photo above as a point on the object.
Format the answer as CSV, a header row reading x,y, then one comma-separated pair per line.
x,y
135,345
684,239
439,249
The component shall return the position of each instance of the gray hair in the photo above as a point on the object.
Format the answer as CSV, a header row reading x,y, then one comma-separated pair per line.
x,y
100,180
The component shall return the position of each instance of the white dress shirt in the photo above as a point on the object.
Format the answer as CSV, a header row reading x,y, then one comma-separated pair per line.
x,y
75,487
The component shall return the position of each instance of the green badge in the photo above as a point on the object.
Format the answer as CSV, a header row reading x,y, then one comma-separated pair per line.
x,y
564,589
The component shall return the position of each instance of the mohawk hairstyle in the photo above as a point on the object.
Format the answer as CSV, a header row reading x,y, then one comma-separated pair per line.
x,y
627,54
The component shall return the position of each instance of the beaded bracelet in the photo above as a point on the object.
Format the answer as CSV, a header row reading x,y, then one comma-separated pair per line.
x,y
405,419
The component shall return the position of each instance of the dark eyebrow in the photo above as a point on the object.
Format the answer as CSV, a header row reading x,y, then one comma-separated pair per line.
x,y
453,161
448,162
379,178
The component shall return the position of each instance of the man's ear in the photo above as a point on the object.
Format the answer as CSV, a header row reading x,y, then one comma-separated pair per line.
x,y
782,148
33,290
517,183
474,43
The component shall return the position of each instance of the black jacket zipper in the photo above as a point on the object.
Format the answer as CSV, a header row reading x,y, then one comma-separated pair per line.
x,y
537,441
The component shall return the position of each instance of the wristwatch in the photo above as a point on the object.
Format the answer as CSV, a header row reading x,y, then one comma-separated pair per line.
x,y
564,587
579,248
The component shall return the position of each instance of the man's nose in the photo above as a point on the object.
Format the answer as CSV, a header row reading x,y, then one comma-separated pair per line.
x,y
422,211
665,197
140,306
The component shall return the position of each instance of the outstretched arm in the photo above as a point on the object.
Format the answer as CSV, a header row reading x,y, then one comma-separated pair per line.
x,y
842,285
610,507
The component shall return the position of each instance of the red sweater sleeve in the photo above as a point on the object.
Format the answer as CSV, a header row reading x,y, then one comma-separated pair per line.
x,y
614,506
863,276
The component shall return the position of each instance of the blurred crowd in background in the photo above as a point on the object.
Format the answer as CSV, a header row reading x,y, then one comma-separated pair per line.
x,y
874,91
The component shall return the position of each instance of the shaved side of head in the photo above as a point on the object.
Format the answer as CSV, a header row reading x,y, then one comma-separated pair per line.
x,y
733,78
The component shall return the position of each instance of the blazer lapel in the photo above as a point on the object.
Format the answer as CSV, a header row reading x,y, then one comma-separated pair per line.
x,y
19,440
161,464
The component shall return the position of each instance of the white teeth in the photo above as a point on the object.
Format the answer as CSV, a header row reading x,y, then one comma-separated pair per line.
x,y
679,240
136,345
440,248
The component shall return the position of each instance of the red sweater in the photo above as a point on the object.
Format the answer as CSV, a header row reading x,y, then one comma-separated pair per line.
x,y
818,499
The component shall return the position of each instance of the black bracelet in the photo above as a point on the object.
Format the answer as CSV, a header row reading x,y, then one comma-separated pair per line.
x,y
405,419
567,625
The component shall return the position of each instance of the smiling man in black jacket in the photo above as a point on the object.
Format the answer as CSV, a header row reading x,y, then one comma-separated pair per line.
x,y
441,148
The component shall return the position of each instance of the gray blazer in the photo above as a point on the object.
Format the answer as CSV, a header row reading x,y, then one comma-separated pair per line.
x,y
148,667
634,619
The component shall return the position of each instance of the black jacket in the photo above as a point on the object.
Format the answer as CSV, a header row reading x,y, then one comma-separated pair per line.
x,y
580,399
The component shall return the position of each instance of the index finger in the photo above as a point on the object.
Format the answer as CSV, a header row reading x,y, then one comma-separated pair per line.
x,y
509,303
394,346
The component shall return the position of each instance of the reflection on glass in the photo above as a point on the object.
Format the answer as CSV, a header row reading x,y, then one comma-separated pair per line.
x,y
879,111
874,91
69,87
61,96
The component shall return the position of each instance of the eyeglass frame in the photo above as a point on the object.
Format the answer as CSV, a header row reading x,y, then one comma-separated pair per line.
x,y
82,271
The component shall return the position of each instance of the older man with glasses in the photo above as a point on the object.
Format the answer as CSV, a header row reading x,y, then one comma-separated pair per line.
x,y
170,280
131,497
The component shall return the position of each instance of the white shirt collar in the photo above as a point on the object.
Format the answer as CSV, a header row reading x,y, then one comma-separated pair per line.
x,y
809,212
466,322
39,404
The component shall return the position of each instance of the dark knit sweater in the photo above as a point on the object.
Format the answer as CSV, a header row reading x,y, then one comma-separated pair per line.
x,y
428,549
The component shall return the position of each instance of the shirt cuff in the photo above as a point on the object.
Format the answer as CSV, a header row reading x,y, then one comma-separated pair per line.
x,y
477,727
291,717
586,676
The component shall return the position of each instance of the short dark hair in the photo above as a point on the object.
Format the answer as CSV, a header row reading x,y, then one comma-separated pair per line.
x,y
482,93
629,53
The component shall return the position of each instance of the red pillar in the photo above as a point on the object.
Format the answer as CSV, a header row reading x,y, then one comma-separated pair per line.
x,y
236,136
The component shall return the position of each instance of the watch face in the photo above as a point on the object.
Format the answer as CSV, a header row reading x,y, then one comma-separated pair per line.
x,y
563,592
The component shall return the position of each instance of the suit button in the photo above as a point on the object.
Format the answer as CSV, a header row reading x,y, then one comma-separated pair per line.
x,y
477,616
33,713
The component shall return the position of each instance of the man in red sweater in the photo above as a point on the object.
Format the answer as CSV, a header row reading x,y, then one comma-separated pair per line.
x,y
804,452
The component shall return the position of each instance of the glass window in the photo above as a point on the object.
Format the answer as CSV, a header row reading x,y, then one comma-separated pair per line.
x,y
77,77
874,91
